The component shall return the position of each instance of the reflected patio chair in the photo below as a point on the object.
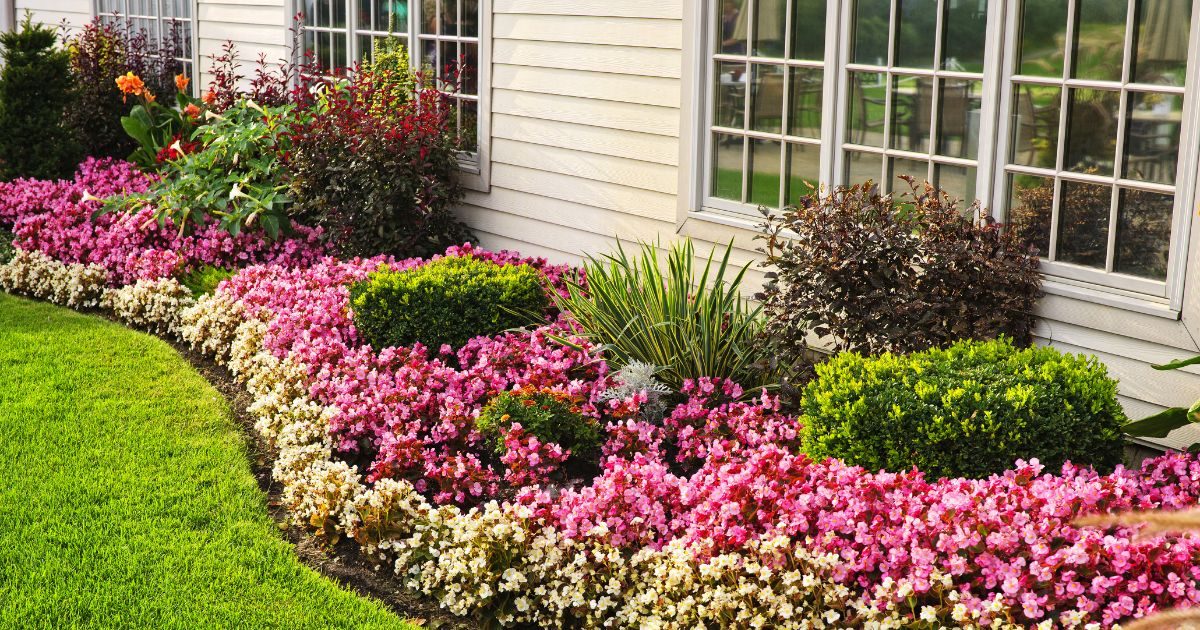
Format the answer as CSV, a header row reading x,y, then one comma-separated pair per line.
x,y
867,113
1032,122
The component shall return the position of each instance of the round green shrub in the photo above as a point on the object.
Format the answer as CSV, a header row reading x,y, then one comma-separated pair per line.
x,y
549,415
446,301
968,410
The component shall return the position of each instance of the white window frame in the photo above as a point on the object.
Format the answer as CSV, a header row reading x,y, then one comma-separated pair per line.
x,y
164,22
1129,292
475,165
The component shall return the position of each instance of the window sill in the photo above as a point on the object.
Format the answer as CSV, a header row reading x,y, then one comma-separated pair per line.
x,y
471,174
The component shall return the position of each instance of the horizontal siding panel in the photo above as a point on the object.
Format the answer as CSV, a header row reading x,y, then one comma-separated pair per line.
x,y
619,143
83,7
664,9
1139,381
600,221
630,117
612,31
54,19
635,174
1120,345
1057,308
241,13
244,33
570,239
625,88
652,62
496,242
600,194
263,3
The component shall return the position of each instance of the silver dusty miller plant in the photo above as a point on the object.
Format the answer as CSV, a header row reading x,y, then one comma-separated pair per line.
x,y
635,377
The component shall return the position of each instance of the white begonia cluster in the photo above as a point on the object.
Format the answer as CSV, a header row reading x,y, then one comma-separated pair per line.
x,y
493,561
35,274
210,325
154,305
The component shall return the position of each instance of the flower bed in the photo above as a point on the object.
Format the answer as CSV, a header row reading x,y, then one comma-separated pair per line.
x,y
712,518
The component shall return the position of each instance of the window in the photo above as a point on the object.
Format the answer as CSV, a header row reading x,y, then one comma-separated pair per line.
x,y
339,33
168,23
1065,117
1096,97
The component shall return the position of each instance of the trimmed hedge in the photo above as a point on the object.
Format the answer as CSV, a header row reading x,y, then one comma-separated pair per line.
x,y
447,301
969,410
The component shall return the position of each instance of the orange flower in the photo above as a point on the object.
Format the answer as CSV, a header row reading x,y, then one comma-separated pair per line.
x,y
149,96
130,84
191,111
181,82
210,97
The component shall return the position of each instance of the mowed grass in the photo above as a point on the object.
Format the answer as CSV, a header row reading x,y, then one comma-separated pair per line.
x,y
126,497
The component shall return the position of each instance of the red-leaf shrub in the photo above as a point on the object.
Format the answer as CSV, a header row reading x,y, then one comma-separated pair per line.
x,y
878,273
378,171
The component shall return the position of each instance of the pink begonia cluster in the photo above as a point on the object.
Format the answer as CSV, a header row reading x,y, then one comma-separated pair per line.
x,y
411,411
56,218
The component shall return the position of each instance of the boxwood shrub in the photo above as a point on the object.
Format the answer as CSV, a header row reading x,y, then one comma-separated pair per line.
x,y
447,301
968,410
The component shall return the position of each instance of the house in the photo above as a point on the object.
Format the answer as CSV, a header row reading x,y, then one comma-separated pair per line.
x,y
1073,120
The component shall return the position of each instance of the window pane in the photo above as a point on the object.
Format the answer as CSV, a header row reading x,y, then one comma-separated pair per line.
x,y
808,29
912,113
1099,40
469,124
804,168
766,98
871,31
1092,131
1083,213
1035,125
1161,41
1143,233
861,167
366,49
1030,209
429,17
1043,35
730,107
469,20
339,13
770,17
324,9
916,28
804,115
865,116
961,102
449,18
310,12
956,181
965,29
918,170
733,27
727,167
1152,136
765,174
470,67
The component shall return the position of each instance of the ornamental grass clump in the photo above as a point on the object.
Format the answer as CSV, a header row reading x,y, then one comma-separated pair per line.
x,y
690,322
969,410
446,302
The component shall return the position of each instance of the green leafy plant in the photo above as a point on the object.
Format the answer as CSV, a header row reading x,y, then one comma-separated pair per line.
x,y
1166,421
235,178
447,301
691,322
551,416
35,88
204,280
160,131
968,410
876,273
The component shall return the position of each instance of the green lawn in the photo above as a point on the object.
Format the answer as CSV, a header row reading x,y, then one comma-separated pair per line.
x,y
126,498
